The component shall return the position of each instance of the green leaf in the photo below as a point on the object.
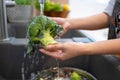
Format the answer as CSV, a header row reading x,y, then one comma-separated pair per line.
x,y
30,47
23,2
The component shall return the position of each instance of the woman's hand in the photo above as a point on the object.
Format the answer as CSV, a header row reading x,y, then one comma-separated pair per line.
x,y
64,51
63,22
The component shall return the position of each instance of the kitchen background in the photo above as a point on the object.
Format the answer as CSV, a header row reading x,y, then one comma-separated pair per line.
x,y
84,8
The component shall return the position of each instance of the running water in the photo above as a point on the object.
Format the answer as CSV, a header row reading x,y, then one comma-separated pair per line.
x,y
42,2
34,60
58,70
41,9
32,63
57,62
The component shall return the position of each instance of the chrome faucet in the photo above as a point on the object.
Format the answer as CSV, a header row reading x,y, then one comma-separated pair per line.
x,y
3,22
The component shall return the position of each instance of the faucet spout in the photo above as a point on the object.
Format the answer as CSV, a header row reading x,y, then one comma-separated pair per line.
x,y
3,22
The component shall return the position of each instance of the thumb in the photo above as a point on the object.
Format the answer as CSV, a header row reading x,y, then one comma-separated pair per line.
x,y
54,47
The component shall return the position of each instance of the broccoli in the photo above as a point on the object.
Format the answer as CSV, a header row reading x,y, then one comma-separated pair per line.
x,y
75,76
42,30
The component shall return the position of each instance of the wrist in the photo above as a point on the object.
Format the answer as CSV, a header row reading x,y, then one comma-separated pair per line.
x,y
69,22
87,49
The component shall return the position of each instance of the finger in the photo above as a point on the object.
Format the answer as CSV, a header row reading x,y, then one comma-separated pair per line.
x,y
57,46
66,26
57,37
58,20
56,54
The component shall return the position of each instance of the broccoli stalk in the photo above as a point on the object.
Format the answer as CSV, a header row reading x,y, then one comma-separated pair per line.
x,y
47,38
42,30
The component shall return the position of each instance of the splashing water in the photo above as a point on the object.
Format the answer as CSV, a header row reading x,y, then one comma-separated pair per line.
x,y
33,63
41,9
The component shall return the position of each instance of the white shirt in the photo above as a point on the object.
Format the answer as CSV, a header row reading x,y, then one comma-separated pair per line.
x,y
110,6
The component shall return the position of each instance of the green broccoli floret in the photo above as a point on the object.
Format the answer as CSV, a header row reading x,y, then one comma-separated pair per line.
x,y
75,76
42,30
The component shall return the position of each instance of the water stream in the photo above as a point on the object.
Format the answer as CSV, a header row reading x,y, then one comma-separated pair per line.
x,y
33,64
41,9
57,62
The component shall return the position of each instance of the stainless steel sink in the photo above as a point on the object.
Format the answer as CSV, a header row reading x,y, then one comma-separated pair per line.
x,y
18,30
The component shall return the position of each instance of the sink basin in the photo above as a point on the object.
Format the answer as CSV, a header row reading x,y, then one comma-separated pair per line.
x,y
18,30
12,52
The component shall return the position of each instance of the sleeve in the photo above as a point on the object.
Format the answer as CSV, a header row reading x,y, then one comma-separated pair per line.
x,y
110,6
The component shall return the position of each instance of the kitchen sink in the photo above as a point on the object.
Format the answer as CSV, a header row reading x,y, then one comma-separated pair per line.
x,y
12,57
13,51
18,30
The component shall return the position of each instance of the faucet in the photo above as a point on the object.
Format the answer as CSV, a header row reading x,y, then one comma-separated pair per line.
x,y
3,22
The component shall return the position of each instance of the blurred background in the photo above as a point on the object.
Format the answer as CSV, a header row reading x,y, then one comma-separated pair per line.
x,y
84,8
72,9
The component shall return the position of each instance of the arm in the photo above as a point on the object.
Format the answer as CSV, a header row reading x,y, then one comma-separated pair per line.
x,y
104,47
69,50
94,22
